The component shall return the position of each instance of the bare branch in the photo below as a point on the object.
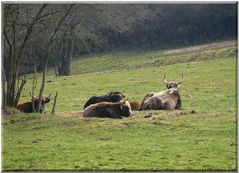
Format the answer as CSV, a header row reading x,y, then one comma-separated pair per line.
x,y
30,27
83,41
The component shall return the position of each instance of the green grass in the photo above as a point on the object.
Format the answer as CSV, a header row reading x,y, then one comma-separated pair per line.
x,y
138,59
200,137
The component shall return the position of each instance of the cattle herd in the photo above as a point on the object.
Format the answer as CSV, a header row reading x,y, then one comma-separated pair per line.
x,y
114,105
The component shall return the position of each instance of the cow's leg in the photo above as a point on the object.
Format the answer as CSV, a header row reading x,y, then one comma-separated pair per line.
x,y
116,117
179,104
145,106
167,106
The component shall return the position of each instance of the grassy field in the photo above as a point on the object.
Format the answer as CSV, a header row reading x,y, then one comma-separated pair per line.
x,y
202,136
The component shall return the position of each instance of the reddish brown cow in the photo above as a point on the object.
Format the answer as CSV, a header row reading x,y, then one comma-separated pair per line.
x,y
28,107
108,109
135,106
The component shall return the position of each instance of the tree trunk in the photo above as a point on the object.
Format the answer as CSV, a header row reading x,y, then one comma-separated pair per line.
x,y
3,89
66,57
46,57
15,53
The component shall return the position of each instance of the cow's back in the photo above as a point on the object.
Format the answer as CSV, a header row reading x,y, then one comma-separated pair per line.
x,y
153,103
25,107
159,101
93,100
102,109
107,109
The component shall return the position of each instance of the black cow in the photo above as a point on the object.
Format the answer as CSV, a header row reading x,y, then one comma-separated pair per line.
x,y
109,97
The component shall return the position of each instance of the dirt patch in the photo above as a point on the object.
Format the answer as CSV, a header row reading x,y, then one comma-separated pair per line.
x,y
70,114
151,117
184,113
198,48
192,63
104,139
158,116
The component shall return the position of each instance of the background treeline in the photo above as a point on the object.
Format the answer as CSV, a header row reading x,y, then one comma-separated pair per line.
x,y
177,24
39,36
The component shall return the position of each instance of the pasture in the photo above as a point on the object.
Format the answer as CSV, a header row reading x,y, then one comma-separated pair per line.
x,y
200,137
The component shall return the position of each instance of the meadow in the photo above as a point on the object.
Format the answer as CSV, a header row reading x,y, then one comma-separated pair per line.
x,y
202,136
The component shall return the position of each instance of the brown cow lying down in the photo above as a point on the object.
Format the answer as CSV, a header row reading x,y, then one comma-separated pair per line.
x,y
108,109
135,106
28,107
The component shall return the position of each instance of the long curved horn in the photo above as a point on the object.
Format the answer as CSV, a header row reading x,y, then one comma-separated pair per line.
x,y
181,80
165,81
49,95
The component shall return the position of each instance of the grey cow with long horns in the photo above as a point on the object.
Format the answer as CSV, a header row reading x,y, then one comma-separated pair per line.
x,y
164,100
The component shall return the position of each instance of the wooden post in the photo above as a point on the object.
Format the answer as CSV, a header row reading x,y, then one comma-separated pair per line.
x,y
54,104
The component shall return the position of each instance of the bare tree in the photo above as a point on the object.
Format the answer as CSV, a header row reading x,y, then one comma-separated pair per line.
x,y
17,32
46,57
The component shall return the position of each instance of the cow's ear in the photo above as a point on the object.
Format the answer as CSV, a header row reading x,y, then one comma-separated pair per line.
x,y
47,100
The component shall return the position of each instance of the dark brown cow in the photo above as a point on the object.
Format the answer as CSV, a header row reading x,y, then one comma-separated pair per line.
x,y
135,106
109,97
108,109
168,99
28,107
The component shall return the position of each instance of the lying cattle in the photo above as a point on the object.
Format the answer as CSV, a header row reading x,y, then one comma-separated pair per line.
x,y
110,97
108,109
168,99
135,106
28,106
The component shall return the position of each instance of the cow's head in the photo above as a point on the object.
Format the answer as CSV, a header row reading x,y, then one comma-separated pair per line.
x,y
44,100
173,84
115,96
126,109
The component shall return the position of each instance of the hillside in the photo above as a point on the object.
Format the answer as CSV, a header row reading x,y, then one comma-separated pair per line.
x,y
133,59
200,137
138,74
